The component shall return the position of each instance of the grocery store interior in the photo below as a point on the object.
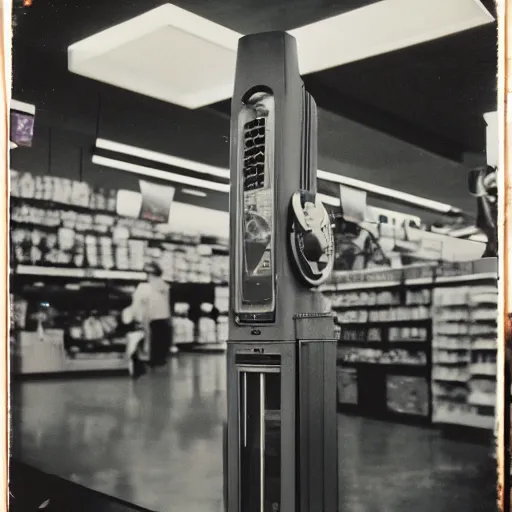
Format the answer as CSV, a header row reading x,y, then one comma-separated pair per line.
x,y
128,103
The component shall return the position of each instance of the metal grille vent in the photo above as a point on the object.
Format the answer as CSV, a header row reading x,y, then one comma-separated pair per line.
x,y
254,154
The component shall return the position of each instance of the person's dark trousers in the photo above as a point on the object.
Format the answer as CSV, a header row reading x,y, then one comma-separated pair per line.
x,y
160,340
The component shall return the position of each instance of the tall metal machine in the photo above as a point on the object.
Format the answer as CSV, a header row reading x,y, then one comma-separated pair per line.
x,y
282,430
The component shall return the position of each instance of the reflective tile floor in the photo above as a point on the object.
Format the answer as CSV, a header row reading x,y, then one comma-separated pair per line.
x,y
157,442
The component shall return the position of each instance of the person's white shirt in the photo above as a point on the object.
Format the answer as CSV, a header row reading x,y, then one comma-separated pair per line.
x,y
151,301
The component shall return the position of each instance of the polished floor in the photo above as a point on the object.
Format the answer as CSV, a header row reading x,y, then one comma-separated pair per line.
x,y
157,442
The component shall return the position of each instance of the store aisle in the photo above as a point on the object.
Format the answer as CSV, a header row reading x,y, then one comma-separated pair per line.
x,y
157,442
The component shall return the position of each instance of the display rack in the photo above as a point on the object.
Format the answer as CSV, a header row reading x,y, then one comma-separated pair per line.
x,y
386,361
68,241
384,350
464,354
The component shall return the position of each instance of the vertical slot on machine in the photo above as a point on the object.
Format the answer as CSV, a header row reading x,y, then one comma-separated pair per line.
x,y
260,433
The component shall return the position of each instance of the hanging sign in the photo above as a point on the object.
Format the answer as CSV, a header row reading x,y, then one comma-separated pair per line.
x,y
156,201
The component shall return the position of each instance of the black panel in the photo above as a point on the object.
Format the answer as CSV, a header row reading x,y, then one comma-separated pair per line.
x,y
421,87
150,124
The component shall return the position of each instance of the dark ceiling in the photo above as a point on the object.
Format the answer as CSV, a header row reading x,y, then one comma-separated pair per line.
x,y
432,95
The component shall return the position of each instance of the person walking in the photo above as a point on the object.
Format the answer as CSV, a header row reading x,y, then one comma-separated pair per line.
x,y
151,304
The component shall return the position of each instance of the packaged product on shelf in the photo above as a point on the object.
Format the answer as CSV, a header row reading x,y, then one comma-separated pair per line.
x,y
450,357
26,185
35,255
103,223
38,187
66,239
353,316
109,323
367,355
183,330
357,335
137,254
222,329
36,237
19,308
14,187
122,256
21,245
80,194
92,329
84,222
91,251
166,262
120,233
111,200
207,330
407,334
451,374
107,253
416,358
418,297
68,218
222,298
62,190
451,296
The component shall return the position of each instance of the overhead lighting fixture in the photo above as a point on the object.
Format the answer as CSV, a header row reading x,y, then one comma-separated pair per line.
x,y
361,33
199,167
421,202
158,174
21,106
129,49
162,158
191,192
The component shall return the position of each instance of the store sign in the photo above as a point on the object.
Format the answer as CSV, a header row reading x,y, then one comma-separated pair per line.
x,y
156,201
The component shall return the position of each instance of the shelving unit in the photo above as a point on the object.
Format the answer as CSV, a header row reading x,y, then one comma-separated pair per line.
x,y
69,246
376,308
384,350
464,354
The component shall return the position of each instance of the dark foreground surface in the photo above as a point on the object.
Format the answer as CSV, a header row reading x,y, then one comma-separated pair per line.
x,y
33,490
157,442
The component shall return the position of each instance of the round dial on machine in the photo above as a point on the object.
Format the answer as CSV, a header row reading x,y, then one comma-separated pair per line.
x,y
311,238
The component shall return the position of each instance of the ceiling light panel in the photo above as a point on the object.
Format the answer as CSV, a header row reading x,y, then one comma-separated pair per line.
x,y
167,53
383,27
173,55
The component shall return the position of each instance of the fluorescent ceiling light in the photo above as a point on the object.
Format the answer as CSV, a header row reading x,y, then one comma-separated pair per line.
x,y
21,106
162,158
199,167
388,192
158,174
191,192
128,55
